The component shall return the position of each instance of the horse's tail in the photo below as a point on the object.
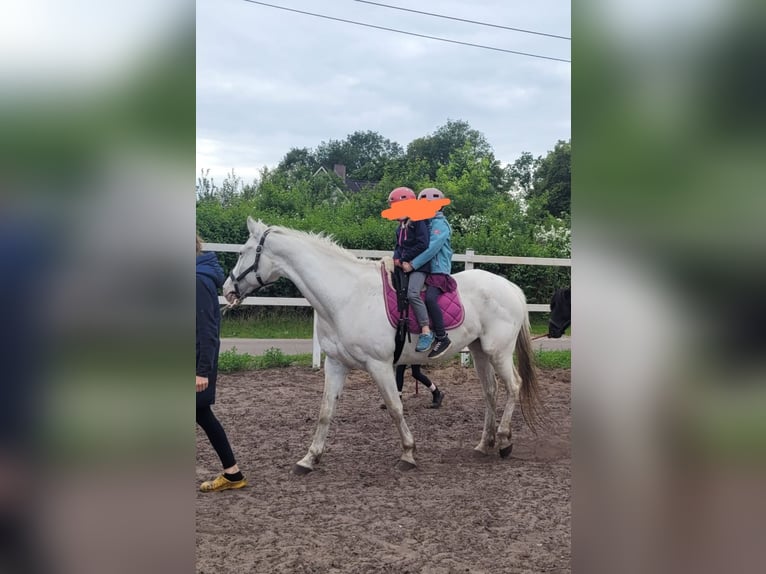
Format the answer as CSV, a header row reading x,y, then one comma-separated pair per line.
x,y
529,396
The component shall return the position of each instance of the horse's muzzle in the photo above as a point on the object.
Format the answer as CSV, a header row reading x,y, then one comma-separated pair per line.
x,y
230,290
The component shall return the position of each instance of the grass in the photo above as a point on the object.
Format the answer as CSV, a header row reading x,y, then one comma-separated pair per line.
x,y
231,361
297,323
260,323
538,323
554,359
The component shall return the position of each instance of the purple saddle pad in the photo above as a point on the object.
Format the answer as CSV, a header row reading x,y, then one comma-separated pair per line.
x,y
450,304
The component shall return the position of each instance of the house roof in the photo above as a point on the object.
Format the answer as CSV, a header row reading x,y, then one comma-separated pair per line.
x,y
356,185
352,185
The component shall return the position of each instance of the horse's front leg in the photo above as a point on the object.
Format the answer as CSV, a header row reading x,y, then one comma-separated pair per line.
x,y
334,379
383,375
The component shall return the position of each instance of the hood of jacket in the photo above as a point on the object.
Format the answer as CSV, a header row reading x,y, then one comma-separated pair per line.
x,y
207,265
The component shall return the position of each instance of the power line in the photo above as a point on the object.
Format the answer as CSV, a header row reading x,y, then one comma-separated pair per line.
x,y
465,20
409,33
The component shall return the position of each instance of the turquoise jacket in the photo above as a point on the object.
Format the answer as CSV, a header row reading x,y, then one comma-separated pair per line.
x,y
439,251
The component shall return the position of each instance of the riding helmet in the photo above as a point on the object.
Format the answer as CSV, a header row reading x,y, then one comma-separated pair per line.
x,y
400,194
430,193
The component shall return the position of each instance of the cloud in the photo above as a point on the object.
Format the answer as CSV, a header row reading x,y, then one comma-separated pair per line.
x,y
270,80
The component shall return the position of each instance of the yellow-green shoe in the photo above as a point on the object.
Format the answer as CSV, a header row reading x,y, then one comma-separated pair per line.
x,y
221,483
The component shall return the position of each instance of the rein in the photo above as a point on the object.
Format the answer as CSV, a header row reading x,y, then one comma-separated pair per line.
x,y
253,268
400,281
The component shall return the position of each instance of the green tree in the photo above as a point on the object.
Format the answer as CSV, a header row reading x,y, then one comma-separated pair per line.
x,y
300,160
228,193
207,190
231,188
533,222
365,154
553,180
467,181
437,149
521,173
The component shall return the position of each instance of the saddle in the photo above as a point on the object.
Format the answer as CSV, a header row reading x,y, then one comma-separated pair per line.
x,y
398,309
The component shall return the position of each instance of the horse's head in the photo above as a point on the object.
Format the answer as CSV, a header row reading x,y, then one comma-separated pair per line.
x,y
561,313
254,268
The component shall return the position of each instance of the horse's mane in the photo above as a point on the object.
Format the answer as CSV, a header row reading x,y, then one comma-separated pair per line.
x,y
324,242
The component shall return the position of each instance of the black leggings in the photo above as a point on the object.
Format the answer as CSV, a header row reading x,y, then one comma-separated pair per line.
x,y
216,435
434,311
416,372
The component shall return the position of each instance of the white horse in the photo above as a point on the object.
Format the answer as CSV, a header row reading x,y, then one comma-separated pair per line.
x,y
354,331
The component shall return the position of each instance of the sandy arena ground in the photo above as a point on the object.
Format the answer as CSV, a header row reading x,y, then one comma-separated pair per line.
x,y
456,512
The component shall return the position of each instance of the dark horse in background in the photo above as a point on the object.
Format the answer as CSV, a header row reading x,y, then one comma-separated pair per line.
x,y
561,312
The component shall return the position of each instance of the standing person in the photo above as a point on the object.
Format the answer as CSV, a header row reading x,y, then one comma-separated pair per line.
x,y
411,241
210,277
439,256
437,395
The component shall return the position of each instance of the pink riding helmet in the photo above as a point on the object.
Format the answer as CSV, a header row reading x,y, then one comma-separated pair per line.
x,y
400,194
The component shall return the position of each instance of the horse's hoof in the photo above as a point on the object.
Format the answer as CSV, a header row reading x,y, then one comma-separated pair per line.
x,y
405,465
301,470
506,452
478,453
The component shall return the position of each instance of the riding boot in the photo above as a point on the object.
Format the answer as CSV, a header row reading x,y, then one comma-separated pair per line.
x,y
438,397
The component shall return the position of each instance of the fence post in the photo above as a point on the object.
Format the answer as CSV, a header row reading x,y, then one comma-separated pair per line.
x,y
316,357
469,253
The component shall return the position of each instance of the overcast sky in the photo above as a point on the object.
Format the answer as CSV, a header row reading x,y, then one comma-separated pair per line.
x,y
270,80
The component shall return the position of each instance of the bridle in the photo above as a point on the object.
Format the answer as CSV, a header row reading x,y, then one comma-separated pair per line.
x,y
252,269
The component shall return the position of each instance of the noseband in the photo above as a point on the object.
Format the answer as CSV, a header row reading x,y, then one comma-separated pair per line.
x,y
253,268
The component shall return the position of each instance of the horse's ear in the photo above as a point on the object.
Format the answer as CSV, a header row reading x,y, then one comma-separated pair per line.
x,y
252,225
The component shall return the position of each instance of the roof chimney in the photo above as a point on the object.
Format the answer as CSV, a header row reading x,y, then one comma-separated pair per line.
x,y
340,171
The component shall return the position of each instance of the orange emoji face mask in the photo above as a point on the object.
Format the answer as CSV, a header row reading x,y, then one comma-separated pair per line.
x,y
414,209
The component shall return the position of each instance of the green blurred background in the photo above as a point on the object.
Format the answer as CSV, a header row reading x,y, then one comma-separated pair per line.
x,y
668,363
97,145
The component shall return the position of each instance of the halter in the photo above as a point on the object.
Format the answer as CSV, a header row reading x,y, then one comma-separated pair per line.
x,y
252,268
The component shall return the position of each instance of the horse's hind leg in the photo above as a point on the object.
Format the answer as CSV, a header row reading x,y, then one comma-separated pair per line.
x,y
334,379
489,386
383,375
507,372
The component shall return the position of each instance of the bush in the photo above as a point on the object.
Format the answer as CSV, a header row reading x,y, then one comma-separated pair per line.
x,y
230,361
482,218
274,358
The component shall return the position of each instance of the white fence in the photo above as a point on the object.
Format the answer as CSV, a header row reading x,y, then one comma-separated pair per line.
x,y
469,258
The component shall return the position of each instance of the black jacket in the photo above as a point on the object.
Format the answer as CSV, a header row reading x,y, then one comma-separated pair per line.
x,y
412,238
210,277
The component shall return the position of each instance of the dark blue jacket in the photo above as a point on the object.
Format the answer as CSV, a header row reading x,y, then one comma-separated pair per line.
x,y
210,277
27,268
412,239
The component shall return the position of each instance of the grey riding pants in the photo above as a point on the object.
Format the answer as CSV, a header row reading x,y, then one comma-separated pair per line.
x,y
416,281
